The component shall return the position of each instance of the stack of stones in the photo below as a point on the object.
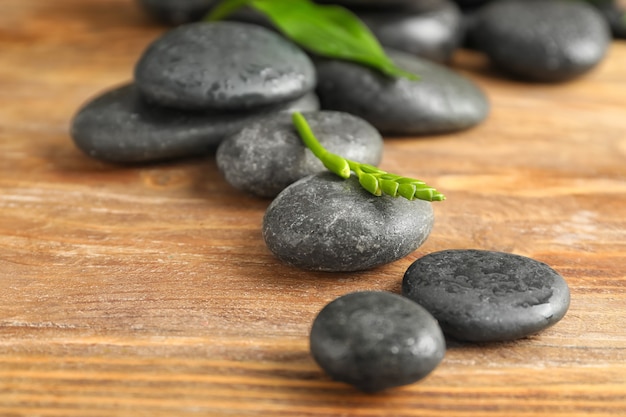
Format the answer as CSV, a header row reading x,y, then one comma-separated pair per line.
x,y
188,94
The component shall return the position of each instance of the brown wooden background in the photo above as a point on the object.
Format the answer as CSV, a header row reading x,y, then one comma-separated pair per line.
x,y
148,291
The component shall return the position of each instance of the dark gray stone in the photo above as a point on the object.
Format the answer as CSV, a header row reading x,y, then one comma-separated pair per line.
x,y
484,296
119,126
441,101
223,66
433,34
376,340
266,156
176,12
385,4
615,14
325,223
540,40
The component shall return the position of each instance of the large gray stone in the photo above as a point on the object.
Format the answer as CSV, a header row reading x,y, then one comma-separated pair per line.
x,y
325,223
376,340
266,156
540,40
441,101
223,66
119,126
485,296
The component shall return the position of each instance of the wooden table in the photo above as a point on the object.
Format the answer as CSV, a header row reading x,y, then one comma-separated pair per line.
x,y
148,291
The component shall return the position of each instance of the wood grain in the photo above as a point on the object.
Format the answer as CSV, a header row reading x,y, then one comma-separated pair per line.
x,y
132,291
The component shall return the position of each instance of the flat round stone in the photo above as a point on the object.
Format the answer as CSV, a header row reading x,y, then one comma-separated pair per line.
x,y
326,223
376,340
485,296
541,40
432,34
441,101
119,126
223,66
266,156
176,12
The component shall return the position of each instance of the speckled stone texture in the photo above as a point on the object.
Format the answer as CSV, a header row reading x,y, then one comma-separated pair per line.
x,y
266,156
441,101
485,296
119,126
538,40
325,223
223,66
376,340
432,34
176,12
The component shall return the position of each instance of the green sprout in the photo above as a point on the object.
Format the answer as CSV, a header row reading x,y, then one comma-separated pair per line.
x,y
373,179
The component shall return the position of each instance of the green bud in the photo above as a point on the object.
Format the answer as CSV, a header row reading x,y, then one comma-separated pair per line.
x,y
370,183
407,191
389,187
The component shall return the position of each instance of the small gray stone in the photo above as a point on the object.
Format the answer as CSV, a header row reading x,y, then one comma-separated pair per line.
x,y
176,12
540,40
119,126
223,66
441,101
376,340
485,296
325,223
266,156
433,34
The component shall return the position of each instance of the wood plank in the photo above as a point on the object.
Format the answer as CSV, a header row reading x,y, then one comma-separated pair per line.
x,y
148,290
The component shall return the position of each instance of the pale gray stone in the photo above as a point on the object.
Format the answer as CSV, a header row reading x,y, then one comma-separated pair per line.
x,y
266,156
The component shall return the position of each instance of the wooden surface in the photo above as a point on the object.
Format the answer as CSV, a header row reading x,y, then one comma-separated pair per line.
x,y
148,291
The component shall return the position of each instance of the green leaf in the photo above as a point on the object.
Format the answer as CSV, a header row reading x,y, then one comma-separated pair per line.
x,y
330,31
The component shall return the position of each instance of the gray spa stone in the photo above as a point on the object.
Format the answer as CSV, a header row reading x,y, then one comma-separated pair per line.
x,y
176,12
223,66
538,40
433,34
376,340
485,296
441,101
325,223
266,156
119,126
